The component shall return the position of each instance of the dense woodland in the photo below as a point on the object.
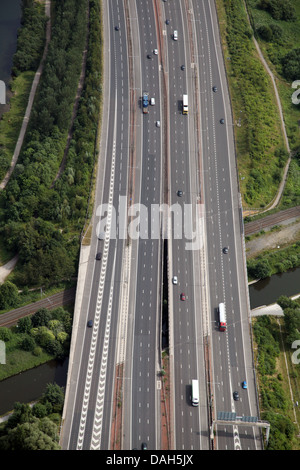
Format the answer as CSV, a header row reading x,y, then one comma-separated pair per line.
x,y
41,218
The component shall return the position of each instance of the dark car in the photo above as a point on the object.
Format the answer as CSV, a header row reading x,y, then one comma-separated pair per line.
x,y
179,193
215,89
236,396
222,121
182,296
149,56
167,21
182,67
90,323
225,250
117,28
98,256
144,446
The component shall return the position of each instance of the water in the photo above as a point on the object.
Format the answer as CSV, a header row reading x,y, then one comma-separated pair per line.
x,y
10,21
30,385
267,291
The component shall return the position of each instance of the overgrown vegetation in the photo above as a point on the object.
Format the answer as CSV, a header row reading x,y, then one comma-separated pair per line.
x,y
274,392
31,37
36,427
260,145
278,9
272,262
277,26
36,339
41,217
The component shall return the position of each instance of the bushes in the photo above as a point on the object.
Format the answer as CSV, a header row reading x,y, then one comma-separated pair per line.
x,y
279,9
272,262
31,38
267,344
259,133
35,428
273,399
44,332
291,319
291,65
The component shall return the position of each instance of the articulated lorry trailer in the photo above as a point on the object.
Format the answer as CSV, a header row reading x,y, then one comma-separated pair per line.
x,y
222,317
145,102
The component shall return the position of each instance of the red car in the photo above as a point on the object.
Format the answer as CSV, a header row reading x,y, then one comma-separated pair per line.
x,y
182,296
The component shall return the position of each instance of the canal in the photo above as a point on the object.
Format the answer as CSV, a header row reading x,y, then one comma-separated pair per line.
x,y
10,21
30,385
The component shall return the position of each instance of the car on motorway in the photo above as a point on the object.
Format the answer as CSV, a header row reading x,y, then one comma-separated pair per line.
x,y
98,255
244,385
175,35
144,446
155,51
179,193
236,396
225,250
215,89
182,296
222,121
117,28
175,280
182,67
167,21
90,323
149,56
152,101
157,123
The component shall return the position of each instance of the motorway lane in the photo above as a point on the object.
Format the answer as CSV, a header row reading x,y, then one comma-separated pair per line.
x,y
226,272
145,400
87,425
191,427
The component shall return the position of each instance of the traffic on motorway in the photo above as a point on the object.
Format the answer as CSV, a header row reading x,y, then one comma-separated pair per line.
x,y
167,246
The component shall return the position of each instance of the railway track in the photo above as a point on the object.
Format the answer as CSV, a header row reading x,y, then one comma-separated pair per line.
x,y
271,220
56,300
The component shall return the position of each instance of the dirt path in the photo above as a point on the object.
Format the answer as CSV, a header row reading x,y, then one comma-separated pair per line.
x,y
277,198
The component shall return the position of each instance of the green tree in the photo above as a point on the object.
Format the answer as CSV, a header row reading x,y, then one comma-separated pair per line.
x,y
9,295
54,395
28,343
291,65
5,334
24,324
41,317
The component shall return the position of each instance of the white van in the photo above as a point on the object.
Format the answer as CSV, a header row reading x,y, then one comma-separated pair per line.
x,y
152,101
175,35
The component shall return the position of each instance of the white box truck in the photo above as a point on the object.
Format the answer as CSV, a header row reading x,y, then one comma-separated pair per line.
x,y
195,393
185,106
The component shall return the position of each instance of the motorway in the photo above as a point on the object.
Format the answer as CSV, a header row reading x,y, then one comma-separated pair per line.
x,y
122,293
231,351
91,376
